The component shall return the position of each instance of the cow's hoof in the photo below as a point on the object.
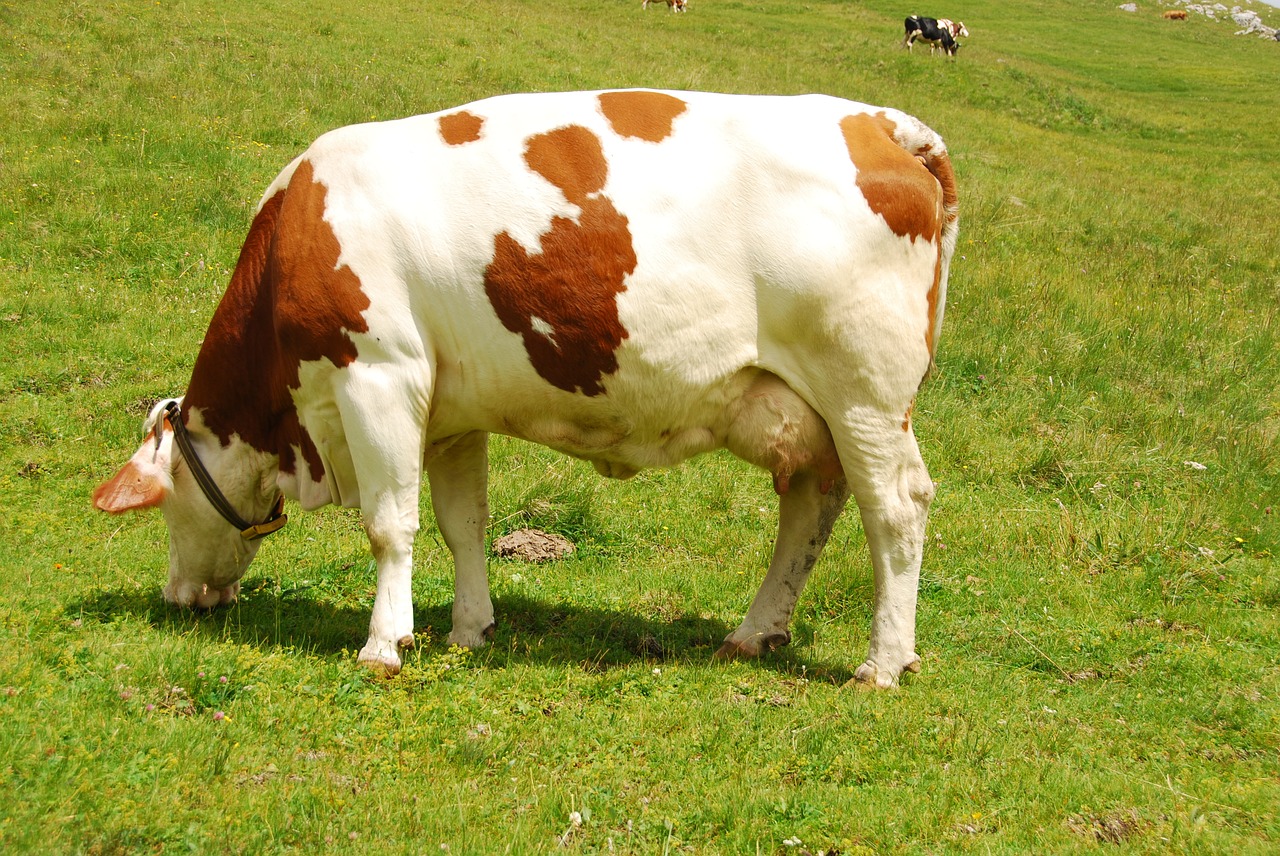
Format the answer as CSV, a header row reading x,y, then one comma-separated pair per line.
x,y
471,639
873,676
381,662
729,651
751,647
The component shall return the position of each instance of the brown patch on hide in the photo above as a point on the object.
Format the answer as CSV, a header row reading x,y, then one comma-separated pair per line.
x,y
643,115
460,128
915,193
895,183
288,302
562,300
570,158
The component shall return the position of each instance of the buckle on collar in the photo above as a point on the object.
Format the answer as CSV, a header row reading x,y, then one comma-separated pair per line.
x,y
274,522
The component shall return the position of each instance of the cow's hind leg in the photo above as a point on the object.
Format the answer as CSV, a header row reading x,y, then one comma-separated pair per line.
x,y
893,491
806,518
385,443
458,475
776,429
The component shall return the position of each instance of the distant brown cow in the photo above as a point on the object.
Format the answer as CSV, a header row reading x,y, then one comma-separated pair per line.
x,y
675,5
1175,15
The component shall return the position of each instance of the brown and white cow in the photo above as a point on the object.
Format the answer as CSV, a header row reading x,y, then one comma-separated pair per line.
x,y
674,5
630,277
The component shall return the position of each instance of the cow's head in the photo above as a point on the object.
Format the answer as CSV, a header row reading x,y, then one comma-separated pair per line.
x,y
207,554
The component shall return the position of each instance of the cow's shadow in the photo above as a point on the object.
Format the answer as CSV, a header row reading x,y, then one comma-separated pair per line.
x,y
530,630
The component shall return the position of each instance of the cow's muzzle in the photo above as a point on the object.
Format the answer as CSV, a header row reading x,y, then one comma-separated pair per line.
x,y
200,596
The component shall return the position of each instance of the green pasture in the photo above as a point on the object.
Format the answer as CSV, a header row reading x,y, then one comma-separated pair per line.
x,y
1099,616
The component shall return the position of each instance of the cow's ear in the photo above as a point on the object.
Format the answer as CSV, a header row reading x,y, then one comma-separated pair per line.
x,y
142,483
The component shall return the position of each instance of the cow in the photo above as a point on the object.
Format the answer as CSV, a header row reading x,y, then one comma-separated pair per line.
x,y
929,30
1175,15
630,277
674,5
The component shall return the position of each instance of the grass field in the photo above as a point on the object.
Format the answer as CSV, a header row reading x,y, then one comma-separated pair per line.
x,y
1100,604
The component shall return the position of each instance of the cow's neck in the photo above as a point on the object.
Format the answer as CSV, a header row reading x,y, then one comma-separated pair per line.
x,y
245,476
238,384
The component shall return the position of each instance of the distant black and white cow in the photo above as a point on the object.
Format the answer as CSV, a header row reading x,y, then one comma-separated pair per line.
x,y
939,33
631,277
675,5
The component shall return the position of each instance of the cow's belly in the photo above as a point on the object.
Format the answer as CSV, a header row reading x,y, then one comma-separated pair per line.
x,y
632,426
622,435
639,423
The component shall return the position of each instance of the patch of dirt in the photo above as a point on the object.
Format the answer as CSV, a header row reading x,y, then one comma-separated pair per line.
x,y
1082,676
1115,828
532,545
1170,626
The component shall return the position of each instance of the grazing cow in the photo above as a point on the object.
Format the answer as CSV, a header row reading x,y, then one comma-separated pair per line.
x,y
928,30
1175,15
630,277
675,5
955,28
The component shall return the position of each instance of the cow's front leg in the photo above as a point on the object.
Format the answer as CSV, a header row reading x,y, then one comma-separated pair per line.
x,y
391,526
458,475
806,517
386,447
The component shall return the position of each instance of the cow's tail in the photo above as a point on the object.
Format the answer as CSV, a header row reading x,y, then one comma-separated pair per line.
x,y
938,162
925,144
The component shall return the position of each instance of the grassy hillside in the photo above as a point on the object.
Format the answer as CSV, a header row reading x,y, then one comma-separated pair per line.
x,y
1099,611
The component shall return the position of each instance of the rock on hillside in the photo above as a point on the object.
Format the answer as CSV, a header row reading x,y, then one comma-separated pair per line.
x,y
1250,21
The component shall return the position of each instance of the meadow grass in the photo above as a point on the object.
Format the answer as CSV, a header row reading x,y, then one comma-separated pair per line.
x,y
1098,611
